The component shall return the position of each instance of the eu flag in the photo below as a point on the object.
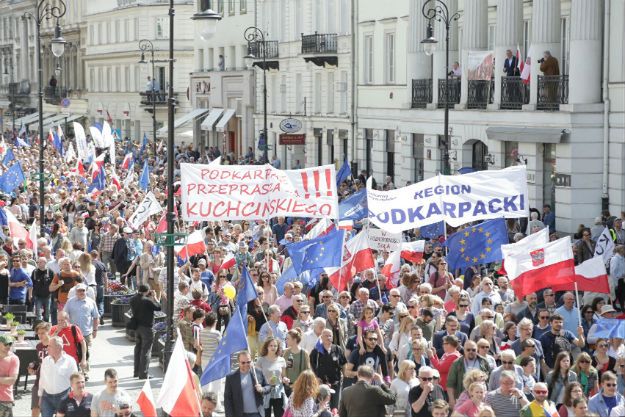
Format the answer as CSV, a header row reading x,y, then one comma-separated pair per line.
x,y
144,143
12,178
610,329
233,340
354,207
144,179
479,244
344,173
58,144
8,157
432,231
324,251
246,292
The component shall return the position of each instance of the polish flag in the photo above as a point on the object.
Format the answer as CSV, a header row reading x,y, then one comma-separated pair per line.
x,y
531,242
392,265
127,162
545,266
413,251
519,64
194,246
357,257
526,69
146,400
97,165
115,180
347,225
589,276
32,236
322,228
178,397
162,223
228,262
17,230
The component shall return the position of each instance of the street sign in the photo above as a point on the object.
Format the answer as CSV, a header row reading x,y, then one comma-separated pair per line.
x,y
286,139
65,102
290,125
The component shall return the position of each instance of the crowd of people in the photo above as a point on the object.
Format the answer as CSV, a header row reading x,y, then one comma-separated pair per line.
x,y
428,342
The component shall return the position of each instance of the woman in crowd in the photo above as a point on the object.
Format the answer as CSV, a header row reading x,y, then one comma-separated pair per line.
x,y
487,332
528,363
450,347
463,313
418,353
580,407
587,375
471,376
409,285
572,392
559,377
477,394
324,394
401,385
302,400
619,370
509,332
588,318
273,366
400,343
601,360
295,357
337,324
271,292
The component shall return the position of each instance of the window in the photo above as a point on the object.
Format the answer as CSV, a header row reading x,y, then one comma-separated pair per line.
x,y
92,85
299,101
330,92
118,79
344,16
283,94
231,7
243,6
275,92
564,45
491,37
389,57
368,149
389,136
368,57
317,87
527,37
343,93
127,79
91,39
204,5
162,28
116,34
330,16
417,156
220,7
511,158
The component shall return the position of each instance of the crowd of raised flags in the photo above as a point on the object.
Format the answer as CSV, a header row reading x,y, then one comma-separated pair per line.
x,y
87,168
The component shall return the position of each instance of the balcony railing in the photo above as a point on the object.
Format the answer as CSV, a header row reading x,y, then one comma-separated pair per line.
x,y
19,89
319,43
269,48
454,92
514,93
54,95
553,90
480,94
156,97
421,93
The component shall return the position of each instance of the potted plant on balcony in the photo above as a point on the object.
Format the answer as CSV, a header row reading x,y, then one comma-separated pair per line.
x,y
20,335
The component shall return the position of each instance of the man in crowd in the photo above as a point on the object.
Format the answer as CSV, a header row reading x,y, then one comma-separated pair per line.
x,y
243,395
506,400
373,356
451,328
525,328
422,397
107,402
208,404
608,398
73,341
274,326
9,369
78,401
540,406
83,312
143,307
54,377
469,360
559,340
363,399
327,361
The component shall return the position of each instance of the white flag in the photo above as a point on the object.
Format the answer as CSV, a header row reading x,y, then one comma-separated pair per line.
x,y
148,207
70,155
81,141
605,246
32,234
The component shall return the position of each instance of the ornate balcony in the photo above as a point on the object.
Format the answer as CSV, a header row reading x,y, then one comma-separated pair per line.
x,y
271,51
454,92
321,48
54,95
553,90
480,94
514,93
156,98
421,93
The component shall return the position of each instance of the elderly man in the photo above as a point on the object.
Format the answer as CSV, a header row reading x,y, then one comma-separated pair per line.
x,y
526,328
469,360
83,312
327,299
508,358
505,292
531,310
286,299
451,328
75,345
487,292
311,337
540,406
422,396
327,362
569,312
364,399
363,300
243,395
291,314
273,327
506,401
54,377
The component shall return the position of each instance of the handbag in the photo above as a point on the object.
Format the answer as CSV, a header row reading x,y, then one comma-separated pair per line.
x,y
288,412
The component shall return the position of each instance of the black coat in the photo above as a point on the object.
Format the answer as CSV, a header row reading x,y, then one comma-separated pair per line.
x,y
510,66
120,255
233,396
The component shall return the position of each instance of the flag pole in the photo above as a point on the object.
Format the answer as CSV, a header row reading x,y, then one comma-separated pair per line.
x,y
579,307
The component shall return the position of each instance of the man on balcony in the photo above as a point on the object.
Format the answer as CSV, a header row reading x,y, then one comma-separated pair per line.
x,y
549,66
510,65
52,84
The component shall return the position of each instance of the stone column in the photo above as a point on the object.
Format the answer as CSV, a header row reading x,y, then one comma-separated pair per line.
x,y
22,73
418,64
474,37
545,37
438,59
586,51
508,34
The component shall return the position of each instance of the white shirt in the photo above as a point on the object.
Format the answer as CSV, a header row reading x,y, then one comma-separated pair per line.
x,y
54,376
197,285
309,340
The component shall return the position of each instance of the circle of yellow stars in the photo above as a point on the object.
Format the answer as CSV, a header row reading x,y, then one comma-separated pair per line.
x,y
468,232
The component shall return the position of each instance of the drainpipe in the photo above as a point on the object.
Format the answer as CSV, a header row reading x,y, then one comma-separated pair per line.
x,y
354,83
605,198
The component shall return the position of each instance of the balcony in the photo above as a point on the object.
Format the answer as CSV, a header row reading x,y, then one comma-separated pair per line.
x,y
321,48
480,93
421,93
151,99
268,49
514,93
54,95
553,90
454,92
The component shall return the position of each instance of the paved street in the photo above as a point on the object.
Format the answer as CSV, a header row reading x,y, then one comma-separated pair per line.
x,y
111,349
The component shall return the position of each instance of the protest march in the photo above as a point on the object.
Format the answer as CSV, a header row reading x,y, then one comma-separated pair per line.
x,y
298,293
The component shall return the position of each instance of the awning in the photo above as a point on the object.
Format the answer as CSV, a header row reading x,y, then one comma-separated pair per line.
x,y
47,121
183,120
526,134
224,120
28,119
71,118
210,120
51,121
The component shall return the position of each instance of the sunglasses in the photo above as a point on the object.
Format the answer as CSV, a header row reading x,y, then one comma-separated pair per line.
x,y
332,311
608,384
246,363
489,317
403,316
305,312
544,317
482,347
471,350
584,361
394,295
602,345
547,295
344,296
426,378
372,339
410,307
507,362
541,391
463,305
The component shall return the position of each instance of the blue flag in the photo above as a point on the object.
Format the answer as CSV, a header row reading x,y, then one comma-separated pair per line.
x,y
432,231
144,143
324,251
233,340
144,179
99,182
12,178
3,218
246,292
610,329
8,157
56,141
307,278
344,173
479,244
354,207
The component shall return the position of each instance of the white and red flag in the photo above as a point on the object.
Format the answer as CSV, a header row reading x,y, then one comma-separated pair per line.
x,y
194,246
413,251
128,161
589,276
549,265
17,230
228,262
321,228
145,400
392,265
525,68
357,257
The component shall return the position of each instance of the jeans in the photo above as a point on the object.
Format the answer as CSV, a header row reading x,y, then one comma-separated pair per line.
x,y
144,337
53,310
42,303
99,299
50,402
278,407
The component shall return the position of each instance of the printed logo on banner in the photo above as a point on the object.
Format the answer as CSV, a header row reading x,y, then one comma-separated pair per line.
x,y
538,257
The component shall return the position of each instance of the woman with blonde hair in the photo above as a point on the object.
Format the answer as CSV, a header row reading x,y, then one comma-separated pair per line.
x,y
477,393
401,386
302,400
87,269
486,411
273,366
587,375
471,376
400,341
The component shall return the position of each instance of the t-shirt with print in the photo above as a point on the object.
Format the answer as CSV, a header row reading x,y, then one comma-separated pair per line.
x,y
105,404
9,365
69,342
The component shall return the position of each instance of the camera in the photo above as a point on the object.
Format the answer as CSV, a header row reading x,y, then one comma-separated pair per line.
x,y
541,60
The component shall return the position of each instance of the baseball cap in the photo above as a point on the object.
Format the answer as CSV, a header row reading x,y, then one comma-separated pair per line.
x,y
5,339
81,287
324,391
127,230
202,261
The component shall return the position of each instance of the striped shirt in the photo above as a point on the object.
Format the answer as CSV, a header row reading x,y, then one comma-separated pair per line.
x,y
209,339
503,405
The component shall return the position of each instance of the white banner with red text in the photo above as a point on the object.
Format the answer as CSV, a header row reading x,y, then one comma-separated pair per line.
x,y
252,192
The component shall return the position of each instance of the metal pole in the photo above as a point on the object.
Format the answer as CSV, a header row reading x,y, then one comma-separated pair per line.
x,y
447,164
153,108
42,232
169,344
266,150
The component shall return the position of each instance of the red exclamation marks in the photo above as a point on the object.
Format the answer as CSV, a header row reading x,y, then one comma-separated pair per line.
x,y
305,183
329,182
316,179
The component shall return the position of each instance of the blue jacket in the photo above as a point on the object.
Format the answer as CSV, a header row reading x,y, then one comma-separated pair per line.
x,y
598,406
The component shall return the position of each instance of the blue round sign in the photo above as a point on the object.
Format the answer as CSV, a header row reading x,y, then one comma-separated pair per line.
x,y
65,102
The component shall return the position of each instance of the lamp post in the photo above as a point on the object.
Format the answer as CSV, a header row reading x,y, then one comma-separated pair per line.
x,y
254,35
45,9
146,46
437,10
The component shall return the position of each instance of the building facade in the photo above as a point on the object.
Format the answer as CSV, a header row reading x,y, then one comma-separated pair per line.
x,y
567,128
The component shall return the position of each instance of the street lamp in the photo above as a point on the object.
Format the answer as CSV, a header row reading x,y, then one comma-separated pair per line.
x,y
437,10
45,9
146,46
254,35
